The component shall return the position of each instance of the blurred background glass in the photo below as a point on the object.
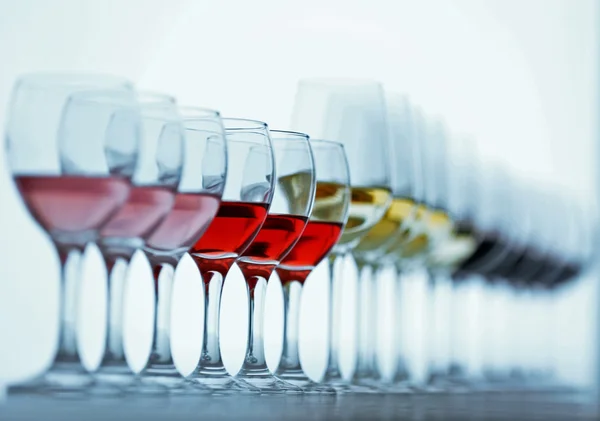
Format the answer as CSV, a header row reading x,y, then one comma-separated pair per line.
x,y
518,77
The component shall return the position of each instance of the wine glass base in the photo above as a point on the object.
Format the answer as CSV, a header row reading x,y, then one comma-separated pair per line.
x,y
268,384
453,384
365,386
224,384
302,381
399,388
57,384
110,383
166,384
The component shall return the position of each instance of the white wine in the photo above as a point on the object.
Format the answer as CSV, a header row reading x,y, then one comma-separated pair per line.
x,y
393,228
451,251
414,241
296,190
367,207
331,202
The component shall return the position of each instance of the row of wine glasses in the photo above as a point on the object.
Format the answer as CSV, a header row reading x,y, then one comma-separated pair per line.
x,y
443,210
129,170
378,181
462,220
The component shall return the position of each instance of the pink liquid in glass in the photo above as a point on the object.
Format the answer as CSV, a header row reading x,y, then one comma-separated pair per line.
x,y
143,211
189,218
65,205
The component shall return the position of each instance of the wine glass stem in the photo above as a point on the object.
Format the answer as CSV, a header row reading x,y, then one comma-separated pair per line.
x,y
332,372
255,362
366,318
161,359
400,373
211,363
113,358
67,355
432,332
290,358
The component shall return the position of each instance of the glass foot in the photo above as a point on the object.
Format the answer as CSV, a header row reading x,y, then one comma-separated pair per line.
x,y
399,388
112,383
301,380
163,383
333,379
268,384
365,386
340,386
56,383
223,384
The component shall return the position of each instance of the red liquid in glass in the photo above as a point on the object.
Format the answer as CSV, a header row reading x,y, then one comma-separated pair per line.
x,y
316,242
229,234
69,205
274,241
143,210
186,222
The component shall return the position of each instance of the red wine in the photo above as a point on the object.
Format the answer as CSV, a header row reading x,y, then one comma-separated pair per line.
x,y
229,234
316,241
69,205
274,241
186,222
143,211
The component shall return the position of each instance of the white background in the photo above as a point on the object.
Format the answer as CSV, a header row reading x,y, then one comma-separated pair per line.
x,y
518,75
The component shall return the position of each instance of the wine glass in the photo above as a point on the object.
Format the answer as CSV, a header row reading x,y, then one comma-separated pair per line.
x,y
453,190
503,229
384,241
327,220
397,240
287,218
152,196
71,185
197,201
449,225
246,200
353,113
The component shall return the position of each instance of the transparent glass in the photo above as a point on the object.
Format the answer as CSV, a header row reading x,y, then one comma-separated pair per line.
x,y
247,196
154,184
327,219
71,184
288,215
384,242
352,112
451,195
197,201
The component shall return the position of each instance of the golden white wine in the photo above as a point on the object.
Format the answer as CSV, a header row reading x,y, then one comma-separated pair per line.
x,y
394,227
367,207
331,202
296,190
414,241
451,251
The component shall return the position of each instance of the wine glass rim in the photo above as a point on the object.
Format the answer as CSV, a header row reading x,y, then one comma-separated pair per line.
x,y
207,112
194,129
153,98
339,81
250,124
58,79
327,142
99,96
287,133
